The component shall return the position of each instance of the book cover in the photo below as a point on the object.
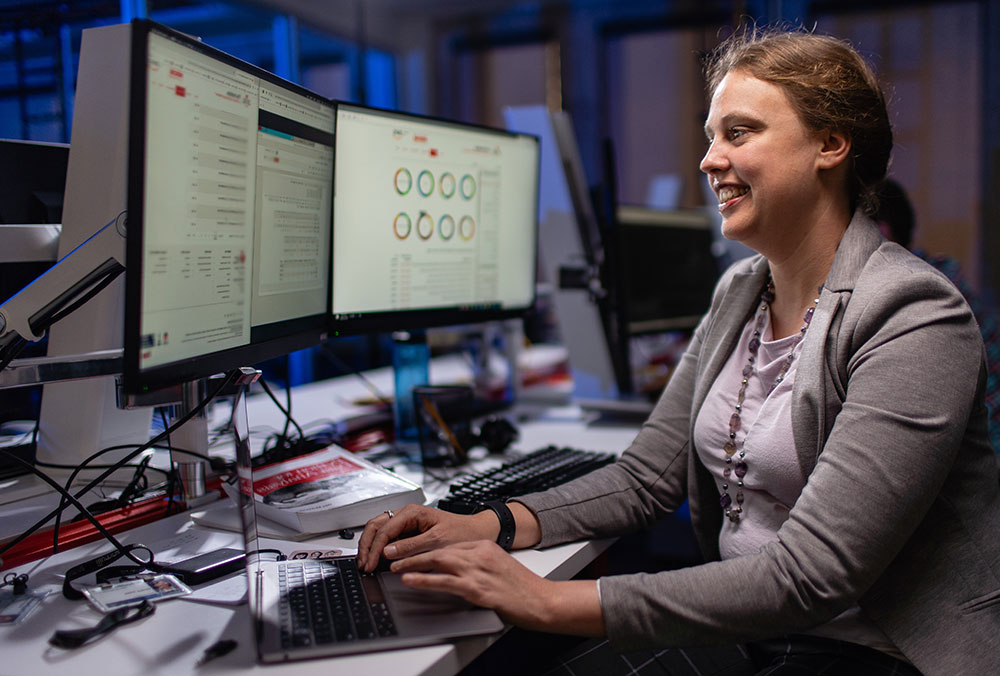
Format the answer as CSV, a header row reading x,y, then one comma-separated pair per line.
x,y
326,490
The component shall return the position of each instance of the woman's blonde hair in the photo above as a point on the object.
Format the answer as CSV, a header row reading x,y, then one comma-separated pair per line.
x,y
828,83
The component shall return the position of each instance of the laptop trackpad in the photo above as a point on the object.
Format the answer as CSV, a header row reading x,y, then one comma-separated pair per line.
x,y
418,611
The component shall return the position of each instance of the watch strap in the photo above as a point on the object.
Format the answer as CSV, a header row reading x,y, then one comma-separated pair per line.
x,y
507,524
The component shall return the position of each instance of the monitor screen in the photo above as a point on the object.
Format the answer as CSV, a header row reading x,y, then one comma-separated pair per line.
x,y
229,205
434,222
667,270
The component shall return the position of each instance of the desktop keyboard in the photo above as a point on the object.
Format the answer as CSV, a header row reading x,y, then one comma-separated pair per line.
x,y
536,471
326,601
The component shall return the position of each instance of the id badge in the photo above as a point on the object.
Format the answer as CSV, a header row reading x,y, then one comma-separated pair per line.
x,y
111,596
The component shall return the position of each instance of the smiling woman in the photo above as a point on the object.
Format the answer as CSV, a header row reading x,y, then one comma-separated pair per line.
x,y
826,424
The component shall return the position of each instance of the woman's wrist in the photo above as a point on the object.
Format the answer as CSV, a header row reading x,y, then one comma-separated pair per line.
x,y
568,607
508,527
487,525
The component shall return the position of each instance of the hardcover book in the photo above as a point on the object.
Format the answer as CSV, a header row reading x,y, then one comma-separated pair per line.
x,y
326,490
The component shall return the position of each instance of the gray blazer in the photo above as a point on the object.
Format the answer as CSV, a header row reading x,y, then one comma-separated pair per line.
x,y
900,513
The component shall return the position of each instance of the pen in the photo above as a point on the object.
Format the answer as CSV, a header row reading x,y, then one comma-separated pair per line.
x,y
217,649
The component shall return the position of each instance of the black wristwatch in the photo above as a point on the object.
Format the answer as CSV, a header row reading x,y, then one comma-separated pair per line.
x,y
507,525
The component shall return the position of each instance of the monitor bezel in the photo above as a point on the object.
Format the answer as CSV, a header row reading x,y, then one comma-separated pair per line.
x,y
456,315
272,340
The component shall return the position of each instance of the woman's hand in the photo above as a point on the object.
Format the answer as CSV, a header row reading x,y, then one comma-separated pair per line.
x,y
485,575
430,529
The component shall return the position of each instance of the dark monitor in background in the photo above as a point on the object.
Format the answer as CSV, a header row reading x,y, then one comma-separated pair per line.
x,y
668,270
34,179
434,222
229,201
31,194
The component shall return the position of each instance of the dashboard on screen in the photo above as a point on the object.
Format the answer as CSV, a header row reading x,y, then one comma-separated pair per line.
x,y
434,222
230,202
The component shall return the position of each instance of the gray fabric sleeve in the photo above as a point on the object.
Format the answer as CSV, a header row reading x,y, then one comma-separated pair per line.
x,y
913,373
649,479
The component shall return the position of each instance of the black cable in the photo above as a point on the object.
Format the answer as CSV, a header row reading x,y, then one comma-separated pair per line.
x,y
153,442
165,434
52,465
288,396
287,414
347,368
66,495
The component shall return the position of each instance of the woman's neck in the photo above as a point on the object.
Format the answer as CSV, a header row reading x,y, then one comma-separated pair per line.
x,y
797,279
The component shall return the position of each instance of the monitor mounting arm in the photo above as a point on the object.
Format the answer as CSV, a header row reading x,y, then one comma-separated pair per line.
x,y
72,281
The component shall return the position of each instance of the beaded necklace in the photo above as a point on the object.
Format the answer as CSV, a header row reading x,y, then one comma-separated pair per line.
x,y
739,468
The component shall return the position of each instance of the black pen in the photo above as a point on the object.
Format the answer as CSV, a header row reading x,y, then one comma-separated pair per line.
x,y
217,649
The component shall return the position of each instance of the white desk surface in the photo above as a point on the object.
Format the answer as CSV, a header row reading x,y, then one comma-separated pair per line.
x,y
174,638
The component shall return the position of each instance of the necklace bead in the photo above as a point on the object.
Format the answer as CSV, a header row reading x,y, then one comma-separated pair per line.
x,y
729,449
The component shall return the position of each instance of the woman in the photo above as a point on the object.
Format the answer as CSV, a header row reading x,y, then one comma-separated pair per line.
x,y
826,422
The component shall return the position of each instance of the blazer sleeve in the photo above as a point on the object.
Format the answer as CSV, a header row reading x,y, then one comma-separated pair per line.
x,y
913,366
650,479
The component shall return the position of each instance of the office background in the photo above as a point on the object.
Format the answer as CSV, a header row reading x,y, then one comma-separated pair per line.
x,y
627,71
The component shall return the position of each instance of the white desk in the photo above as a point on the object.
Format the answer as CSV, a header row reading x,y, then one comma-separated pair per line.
x,y
174,638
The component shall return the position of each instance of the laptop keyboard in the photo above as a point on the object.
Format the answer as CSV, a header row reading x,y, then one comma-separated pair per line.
x,y
330,601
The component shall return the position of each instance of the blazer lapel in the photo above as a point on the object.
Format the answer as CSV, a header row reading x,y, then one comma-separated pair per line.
x,y
818,392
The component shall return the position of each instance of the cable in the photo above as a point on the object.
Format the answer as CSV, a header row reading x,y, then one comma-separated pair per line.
x,y
58,510
347,368
288,396
286,442
66,495
118,465
52,465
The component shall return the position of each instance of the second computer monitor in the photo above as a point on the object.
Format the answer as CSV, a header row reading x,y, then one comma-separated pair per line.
x,y
434,222
229,204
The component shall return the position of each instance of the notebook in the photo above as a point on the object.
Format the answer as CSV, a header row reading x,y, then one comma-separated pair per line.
x,y
319,608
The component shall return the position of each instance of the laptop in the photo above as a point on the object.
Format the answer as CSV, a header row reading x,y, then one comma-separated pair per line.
x,y
318,608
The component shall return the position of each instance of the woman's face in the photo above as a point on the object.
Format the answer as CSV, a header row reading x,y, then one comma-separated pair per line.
x,y
762,163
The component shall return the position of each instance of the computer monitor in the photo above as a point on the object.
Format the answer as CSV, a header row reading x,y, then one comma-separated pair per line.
x,y
434,222
34,180
667,270
229,203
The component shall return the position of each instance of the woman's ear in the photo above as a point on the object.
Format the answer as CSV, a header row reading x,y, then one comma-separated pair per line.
x,y
834,150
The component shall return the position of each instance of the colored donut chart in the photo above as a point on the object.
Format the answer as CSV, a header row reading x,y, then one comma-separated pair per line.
x,y
403,181
466,228
425,183
447,185
425,226
446,227
402,226
468,187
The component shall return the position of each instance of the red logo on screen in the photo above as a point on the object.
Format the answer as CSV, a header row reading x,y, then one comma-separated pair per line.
x,y
434,152
180,91
176,73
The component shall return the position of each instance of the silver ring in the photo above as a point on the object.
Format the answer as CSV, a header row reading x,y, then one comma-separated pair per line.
x,y
389,513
